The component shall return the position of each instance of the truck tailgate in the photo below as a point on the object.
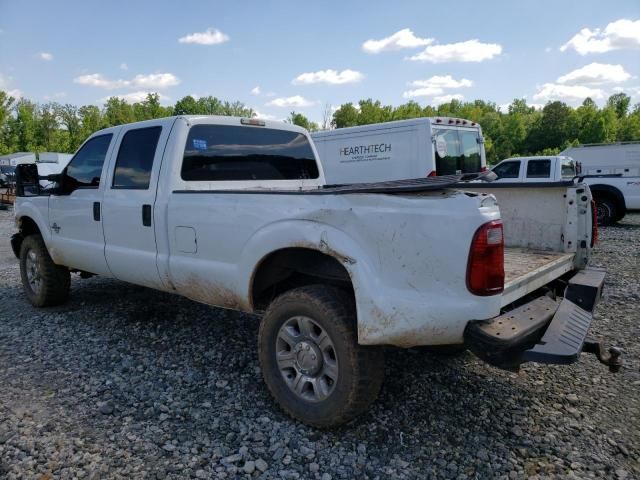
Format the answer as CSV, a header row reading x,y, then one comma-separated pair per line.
x,y
527,270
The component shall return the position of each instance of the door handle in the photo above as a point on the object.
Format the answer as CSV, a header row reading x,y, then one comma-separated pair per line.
x,y
146,215
96,211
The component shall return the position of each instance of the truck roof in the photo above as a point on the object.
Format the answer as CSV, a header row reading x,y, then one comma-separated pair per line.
x,y
440,121
213,120
534,157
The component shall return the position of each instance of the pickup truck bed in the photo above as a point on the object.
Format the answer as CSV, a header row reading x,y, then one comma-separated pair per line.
x,y
526,270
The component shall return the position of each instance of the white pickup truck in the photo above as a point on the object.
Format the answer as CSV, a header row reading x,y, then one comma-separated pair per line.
x,y
614,181
235,213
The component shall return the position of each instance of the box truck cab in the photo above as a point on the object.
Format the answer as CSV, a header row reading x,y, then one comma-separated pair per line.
x,y
401,150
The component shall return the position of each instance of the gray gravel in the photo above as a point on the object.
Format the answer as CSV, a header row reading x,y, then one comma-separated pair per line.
x,y
125,382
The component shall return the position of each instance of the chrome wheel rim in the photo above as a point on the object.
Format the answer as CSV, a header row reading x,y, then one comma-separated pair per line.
x,y
32,267
307,359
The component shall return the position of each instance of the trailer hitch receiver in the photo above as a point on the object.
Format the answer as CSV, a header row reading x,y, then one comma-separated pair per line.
x,y
612,360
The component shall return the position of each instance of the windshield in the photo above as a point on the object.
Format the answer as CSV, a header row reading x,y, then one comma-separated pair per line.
x,y
457,151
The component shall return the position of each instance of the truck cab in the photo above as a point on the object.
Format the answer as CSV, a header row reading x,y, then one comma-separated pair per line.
x,y
537,169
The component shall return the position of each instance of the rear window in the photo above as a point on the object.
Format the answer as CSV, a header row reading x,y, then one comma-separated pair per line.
x,y
568,168
539,169
236,153
457,151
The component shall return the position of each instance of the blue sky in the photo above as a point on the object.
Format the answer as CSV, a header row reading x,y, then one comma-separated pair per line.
x,y
302,55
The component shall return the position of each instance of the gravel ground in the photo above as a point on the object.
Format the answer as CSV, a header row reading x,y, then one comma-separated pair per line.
x,y
126,382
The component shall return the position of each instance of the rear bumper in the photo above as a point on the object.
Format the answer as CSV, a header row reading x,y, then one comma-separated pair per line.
x,y
544,330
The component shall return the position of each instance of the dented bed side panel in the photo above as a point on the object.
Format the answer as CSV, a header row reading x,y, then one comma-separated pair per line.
x,y
406,254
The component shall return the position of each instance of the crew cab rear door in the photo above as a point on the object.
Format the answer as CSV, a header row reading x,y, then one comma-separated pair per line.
x,y
128,203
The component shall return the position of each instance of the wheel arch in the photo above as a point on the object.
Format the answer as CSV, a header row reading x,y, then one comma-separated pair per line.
x,y
26,226
277,271
326,252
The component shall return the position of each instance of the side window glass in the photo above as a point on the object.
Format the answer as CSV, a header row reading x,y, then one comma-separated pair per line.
x,y
539,169
135,158
85,167
508,170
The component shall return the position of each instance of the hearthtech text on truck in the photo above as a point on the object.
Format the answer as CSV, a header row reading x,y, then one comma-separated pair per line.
x,y
235,213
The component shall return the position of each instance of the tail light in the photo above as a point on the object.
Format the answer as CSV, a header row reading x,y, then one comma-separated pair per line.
x,y
594,223
432,173
485,268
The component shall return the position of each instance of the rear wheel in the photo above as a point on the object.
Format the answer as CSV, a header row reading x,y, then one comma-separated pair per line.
x,y
606,211
44,282
311,360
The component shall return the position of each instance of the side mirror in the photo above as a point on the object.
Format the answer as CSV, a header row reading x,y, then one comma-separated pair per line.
x,y
27,180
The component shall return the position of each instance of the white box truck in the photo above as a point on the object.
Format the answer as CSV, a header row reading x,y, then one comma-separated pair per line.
x,y
612,171
399,150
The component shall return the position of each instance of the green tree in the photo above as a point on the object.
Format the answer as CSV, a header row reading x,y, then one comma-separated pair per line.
x,y
117,112
6,106
302,121
408,110
630,126
22,127
555,127
345,116
374,112
187,106
90,121
619,102
69,117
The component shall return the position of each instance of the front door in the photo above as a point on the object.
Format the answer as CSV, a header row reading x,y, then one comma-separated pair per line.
x,y
129,199
75,214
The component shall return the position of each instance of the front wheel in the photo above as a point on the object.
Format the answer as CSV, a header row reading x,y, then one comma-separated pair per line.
x,y
44,282
311,360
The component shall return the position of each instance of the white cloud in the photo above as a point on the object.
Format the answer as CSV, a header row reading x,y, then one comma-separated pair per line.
x,y
5,83
332,77
46,56
124,66
55,96
256,90
435,86
423,92
447,98
442,81
616,35
155,80
469,51
267,116
133,97
399,40
568,93
151,81
211,36
596,74
296,101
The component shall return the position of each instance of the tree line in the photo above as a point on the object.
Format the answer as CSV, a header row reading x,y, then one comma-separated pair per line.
x,y
522,130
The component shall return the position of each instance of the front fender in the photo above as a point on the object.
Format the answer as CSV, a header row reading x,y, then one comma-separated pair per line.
x,y
36,209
